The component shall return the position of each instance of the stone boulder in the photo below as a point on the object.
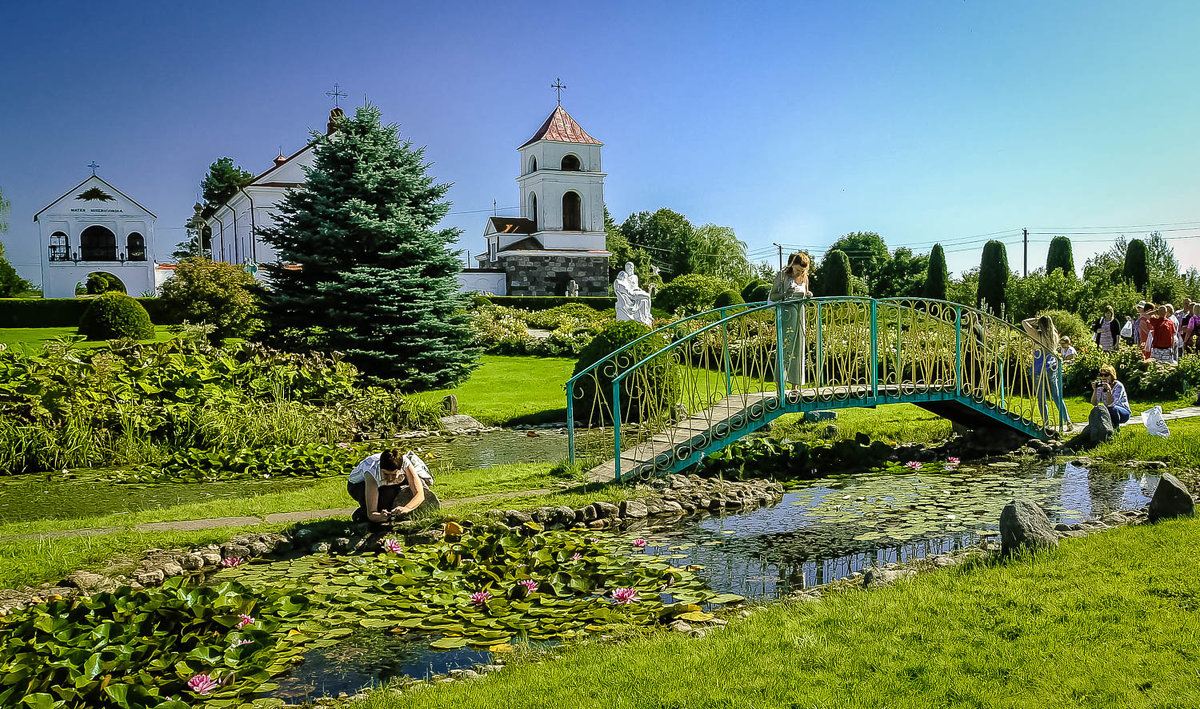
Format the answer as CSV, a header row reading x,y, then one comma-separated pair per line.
x,y
1171,499
1099,425
1024,525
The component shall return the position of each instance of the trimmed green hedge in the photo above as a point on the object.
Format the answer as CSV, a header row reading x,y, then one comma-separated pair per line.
x,y
65,312
113,316
545,302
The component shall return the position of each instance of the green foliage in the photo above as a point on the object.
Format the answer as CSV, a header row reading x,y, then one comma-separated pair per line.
x,y
1136,270
214,293
545,302
726,298
377,276
1037,292
100,282
993,278
11,283
222,182
309,460
649,393
1069,325
139,648
664,234
754,285
1060,257
500,330
965,288
1144,379
716,251
789,460
833,278
62,312
937,277
758,293
622,253
690,294
901,276
867,253
669,239
72,407
113,316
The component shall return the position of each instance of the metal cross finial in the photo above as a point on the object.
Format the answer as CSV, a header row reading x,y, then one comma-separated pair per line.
x,y
93,165
558,86
336,94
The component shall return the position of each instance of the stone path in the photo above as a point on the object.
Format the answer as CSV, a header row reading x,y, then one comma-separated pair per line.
x,y
192,525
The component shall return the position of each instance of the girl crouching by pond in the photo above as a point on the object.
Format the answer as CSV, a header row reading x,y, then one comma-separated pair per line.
x,y
388,486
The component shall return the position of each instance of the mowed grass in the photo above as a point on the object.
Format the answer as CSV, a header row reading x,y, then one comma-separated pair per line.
x,y
35,338
1105,621
509,390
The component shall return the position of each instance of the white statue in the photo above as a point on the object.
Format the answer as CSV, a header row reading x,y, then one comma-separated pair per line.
x,y
572,290
633,303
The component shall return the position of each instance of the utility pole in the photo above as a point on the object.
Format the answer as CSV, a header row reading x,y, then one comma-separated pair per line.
x,y
780,247
1025,239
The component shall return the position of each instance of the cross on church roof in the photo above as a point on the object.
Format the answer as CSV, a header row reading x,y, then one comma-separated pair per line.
x,y
336,94
558,87
93,165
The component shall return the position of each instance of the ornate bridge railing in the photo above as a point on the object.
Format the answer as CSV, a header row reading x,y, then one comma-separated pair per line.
x,y
689,388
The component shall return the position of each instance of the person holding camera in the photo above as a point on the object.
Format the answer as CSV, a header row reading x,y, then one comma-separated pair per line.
x,y
1110,393
381,478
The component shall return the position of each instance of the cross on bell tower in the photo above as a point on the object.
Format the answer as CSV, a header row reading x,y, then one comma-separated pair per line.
x,y
558,87
94,166
335,94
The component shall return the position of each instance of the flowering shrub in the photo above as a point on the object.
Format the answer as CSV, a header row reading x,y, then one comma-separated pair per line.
x,y
503,330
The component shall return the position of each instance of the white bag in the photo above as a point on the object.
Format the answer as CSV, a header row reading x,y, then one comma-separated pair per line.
x,y
1156,425
1127,329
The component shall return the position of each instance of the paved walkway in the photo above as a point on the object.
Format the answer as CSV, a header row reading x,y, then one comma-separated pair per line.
x,y
192,525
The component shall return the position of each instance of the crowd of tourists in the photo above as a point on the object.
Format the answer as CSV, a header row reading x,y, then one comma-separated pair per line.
x,y
1162,332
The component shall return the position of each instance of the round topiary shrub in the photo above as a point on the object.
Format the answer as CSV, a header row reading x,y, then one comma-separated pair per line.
x,y
727,298
113,316
649,393
750,288
690,294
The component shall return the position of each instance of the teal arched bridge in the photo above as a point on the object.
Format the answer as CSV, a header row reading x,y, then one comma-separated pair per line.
x,y
660,403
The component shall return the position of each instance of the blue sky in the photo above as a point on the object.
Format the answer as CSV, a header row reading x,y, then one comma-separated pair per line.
x,y
791,122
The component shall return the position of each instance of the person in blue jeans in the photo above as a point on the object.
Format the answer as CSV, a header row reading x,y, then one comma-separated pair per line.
x,y
1046,363
1111,393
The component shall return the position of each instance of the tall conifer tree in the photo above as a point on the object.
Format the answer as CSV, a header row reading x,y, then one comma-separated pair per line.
x,y
1060,256
993,278
1136,269
363,268
834,277
937,277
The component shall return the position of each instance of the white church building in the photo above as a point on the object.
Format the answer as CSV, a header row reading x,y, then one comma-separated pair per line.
x,y
95,227
559,236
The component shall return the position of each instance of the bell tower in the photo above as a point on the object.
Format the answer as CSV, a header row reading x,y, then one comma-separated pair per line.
x,y
562,185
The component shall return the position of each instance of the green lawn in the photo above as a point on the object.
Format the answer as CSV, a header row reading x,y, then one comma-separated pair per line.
x,y
509,390
34,338
1105,621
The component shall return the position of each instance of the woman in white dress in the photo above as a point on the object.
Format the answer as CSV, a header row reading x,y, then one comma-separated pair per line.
x,y
792,285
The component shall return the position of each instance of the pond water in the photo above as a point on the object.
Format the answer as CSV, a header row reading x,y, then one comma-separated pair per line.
x,y
822,531
88,493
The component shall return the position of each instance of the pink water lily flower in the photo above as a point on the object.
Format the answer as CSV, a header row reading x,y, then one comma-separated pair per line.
x,y
479,598
576,556
913,464
624,595
392,545
639,543
530,585
245,620
202,684
343,445
240,643
232,561
952,461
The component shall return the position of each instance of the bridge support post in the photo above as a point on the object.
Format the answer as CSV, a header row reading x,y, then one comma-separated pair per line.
x,y
779,350
958,363
616,409
570,423
820,353
725,351
874,351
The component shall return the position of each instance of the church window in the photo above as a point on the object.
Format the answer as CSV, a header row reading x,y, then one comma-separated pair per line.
x,y
135,247
98,244
570,163
533,213
58,247
492,250
572,210
532,163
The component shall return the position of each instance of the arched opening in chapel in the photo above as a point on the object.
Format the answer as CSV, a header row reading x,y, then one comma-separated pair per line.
x,y
572,211
135,247
570,163
98,243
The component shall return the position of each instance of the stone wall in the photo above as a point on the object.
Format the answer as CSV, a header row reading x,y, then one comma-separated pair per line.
x,y
549,274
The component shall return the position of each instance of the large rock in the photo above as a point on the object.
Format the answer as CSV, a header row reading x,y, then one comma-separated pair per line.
x,y
1099,425
1023,525
1171,499
633,509
459,423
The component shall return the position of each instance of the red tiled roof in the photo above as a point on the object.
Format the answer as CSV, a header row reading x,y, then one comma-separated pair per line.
x,y
562,128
